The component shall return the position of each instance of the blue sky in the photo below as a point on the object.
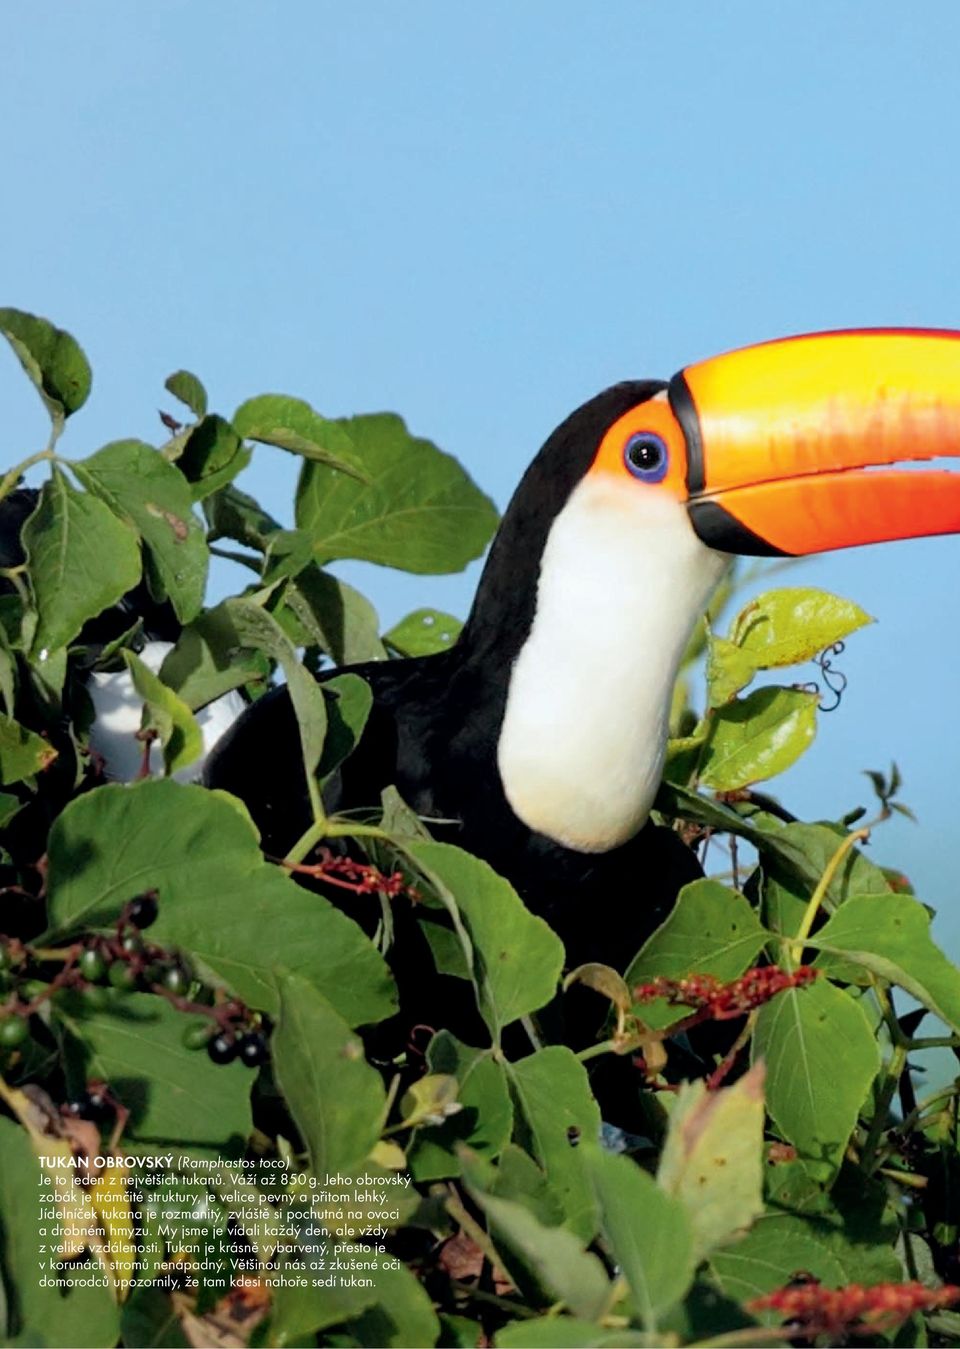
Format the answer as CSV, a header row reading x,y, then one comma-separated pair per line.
x,y
478,215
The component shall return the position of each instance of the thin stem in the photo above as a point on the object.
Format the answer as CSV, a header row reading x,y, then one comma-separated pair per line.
x,y
481,1295
885,1002
528,1025
454,1206
10,479
316,801
746,1335
898,1061
594,1051
925,1106
724,1066
817,898
322,828
909,1257
229,556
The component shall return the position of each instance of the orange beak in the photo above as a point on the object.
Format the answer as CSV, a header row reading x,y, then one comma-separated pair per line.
x,y
791,445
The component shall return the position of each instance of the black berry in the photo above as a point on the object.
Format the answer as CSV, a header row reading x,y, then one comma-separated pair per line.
x,y
142,911
253,1049
222,1048
92,1105
98,1107
132,944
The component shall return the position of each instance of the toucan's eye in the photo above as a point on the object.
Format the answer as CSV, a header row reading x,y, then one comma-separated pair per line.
x,y
645,455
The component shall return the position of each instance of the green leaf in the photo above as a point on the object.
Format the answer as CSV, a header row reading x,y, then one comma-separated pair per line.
x,y
682,763
296,1311
423,633
334,616
793,871
711,930
567,1332
728,670
556,1110
8,665
9,805
706,1313
778,1245
337,1100
212,456
554,1257
292,424
821,1058
150,1321
403,1313
176,1095
757,737
459,1332
289,552
712,1159
484,1121
258,629
516,957
76,1315
797,853
420,511
400,821
648,1231
143,490
232,514
209,660
890,936
446,948
391,1312
81,559
217,896
22,753
430,1100
189,390
785,627
517,1176
349,700
180,737
680,802
53,360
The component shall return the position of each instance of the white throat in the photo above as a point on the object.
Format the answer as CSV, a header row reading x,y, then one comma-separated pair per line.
x,y
622,581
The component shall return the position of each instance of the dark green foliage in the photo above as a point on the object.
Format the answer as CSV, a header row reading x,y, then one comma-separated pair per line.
x,y
166,986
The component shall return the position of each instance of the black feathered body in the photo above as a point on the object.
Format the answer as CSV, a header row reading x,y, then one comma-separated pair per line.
x,y
435,725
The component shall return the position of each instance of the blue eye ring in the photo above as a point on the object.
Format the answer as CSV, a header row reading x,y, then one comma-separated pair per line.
x,y
646,456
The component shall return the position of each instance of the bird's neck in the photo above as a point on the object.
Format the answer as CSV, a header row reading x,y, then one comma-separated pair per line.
x,y
622,580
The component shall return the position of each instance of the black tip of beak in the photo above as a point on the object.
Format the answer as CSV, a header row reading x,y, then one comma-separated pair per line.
x,y
718,529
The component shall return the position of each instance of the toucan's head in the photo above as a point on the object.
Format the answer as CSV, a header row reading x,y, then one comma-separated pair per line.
x,y
789,447
622,526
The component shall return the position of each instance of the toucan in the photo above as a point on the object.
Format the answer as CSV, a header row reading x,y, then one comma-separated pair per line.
x,y
537,741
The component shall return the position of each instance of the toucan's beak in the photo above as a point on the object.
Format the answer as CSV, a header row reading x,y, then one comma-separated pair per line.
x,y
790,445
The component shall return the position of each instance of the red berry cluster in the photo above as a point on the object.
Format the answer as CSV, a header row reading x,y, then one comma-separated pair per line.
x,y
810,1309
359,877
723,1002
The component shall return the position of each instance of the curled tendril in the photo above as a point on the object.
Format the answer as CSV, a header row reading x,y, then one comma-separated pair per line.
x,y
834,680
